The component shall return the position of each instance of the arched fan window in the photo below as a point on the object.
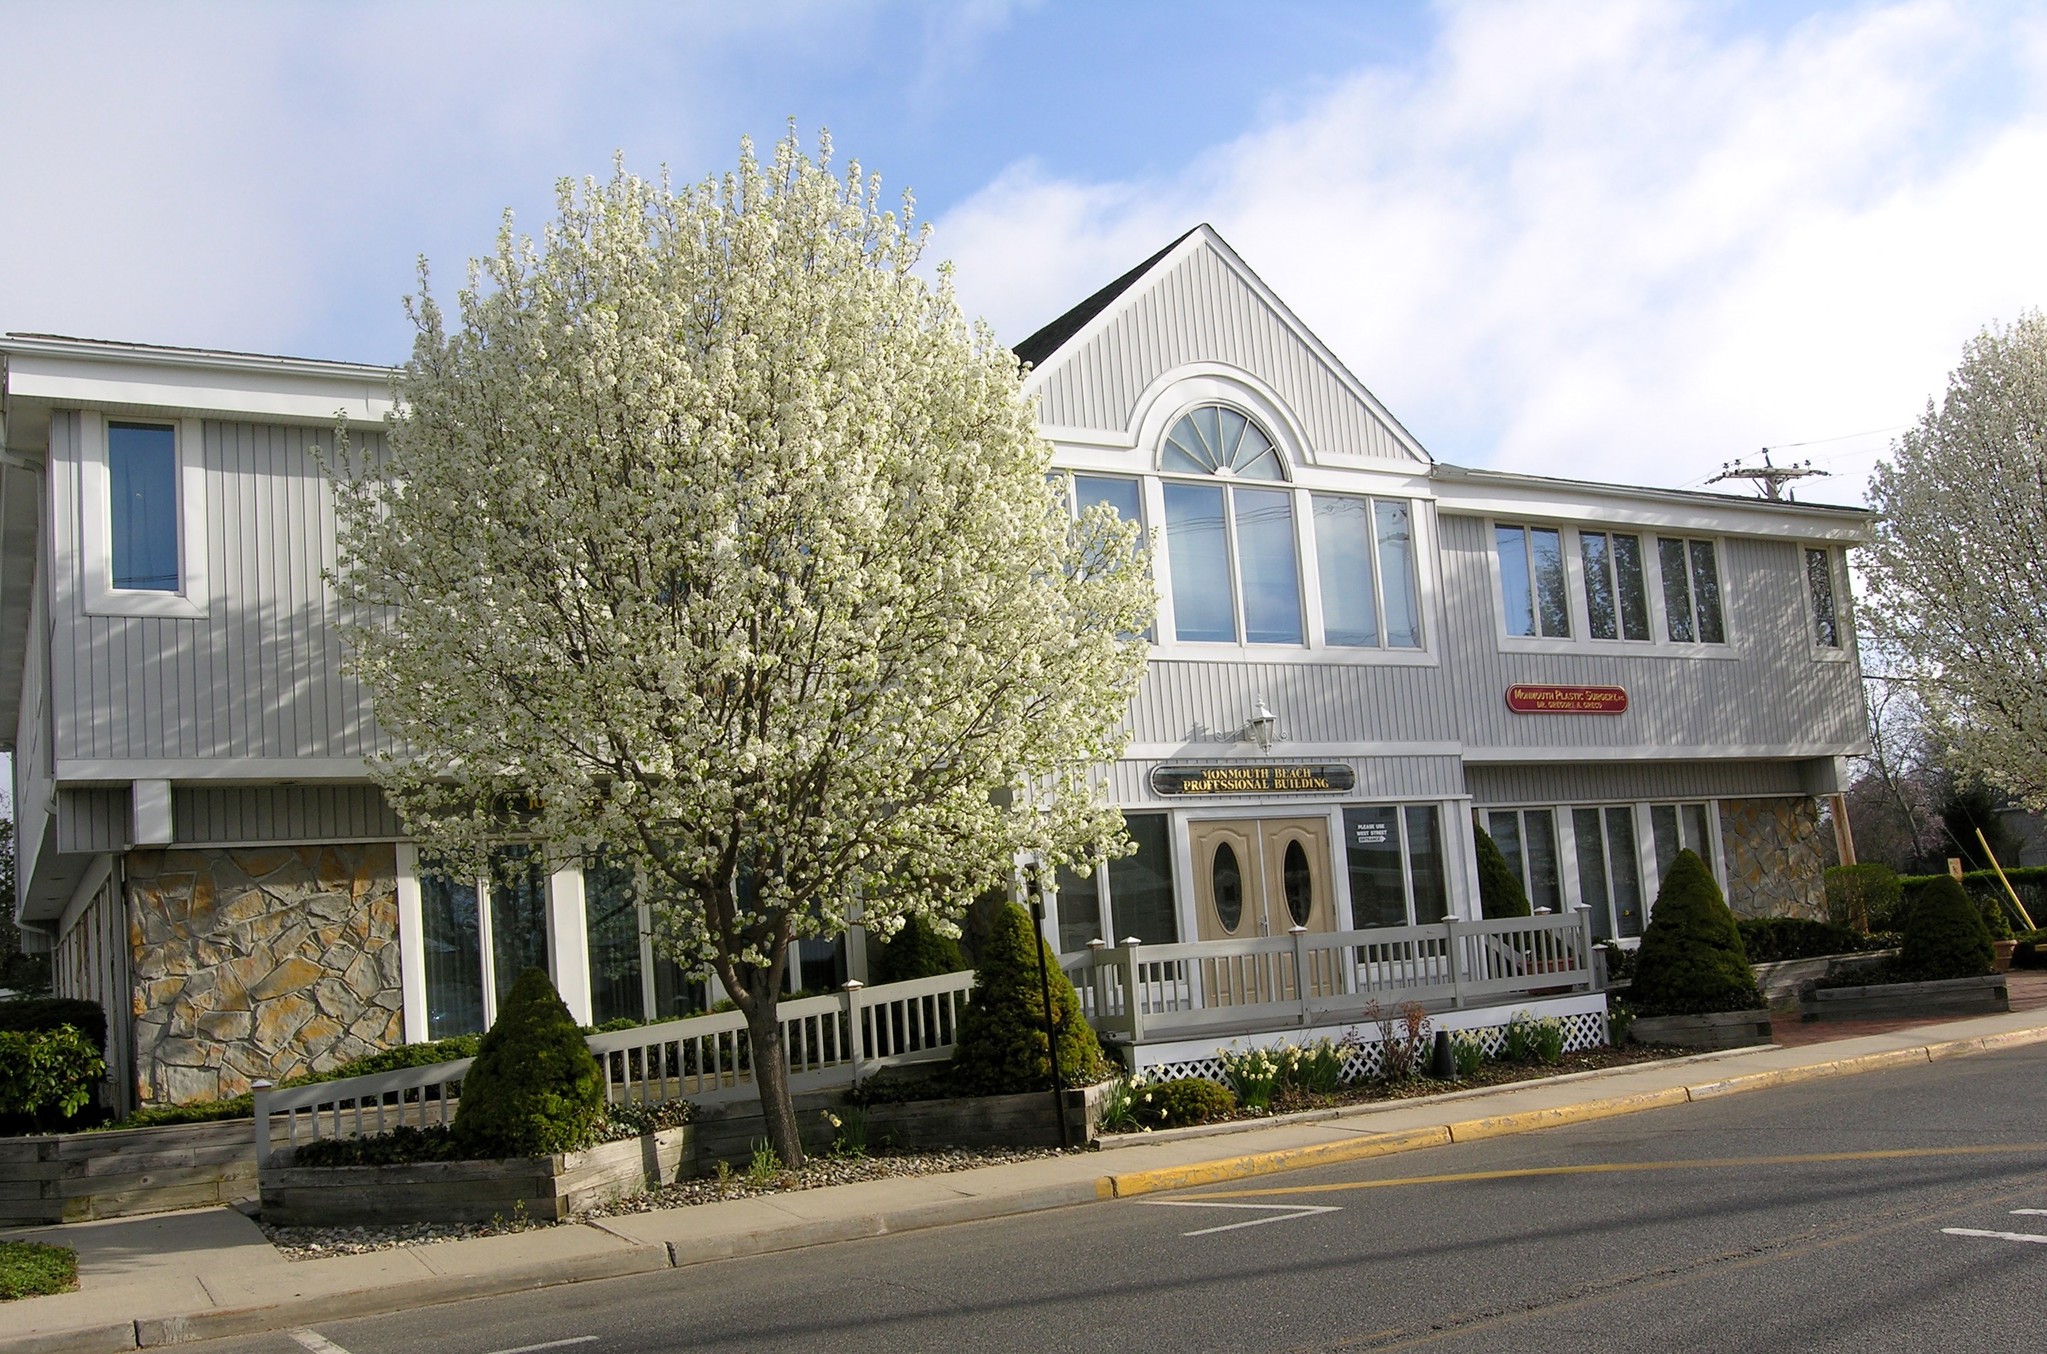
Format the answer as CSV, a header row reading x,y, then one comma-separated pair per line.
x,y
1215,440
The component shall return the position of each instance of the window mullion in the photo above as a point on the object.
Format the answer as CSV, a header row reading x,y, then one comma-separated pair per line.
x,y
1230,548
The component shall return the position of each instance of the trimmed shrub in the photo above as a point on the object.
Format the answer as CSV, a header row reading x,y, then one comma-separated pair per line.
x,y
1001,1046
2032,950
1996,910
916,951
1175,1104
1499,893
46,1077
1944,935
1863,896
534,1089
31,1014
1692,961
1768,940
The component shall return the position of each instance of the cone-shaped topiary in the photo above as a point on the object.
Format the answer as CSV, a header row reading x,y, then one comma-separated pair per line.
x,y
1499,893
1691,961
1001,1045
917,951
534,1089
1944,934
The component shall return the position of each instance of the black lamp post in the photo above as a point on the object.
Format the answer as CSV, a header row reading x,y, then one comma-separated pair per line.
x,y
1036,885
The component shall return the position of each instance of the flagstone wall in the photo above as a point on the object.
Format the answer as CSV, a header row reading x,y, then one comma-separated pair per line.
x,y
1773,851
260,963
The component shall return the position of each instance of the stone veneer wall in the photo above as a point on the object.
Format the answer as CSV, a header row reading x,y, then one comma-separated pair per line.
x,y
1774,859
261,962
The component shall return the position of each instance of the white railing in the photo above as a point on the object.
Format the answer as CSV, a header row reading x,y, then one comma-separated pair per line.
x,y
828,1041
1139,992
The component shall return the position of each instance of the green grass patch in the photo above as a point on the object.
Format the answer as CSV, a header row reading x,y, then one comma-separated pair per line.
x,y
30,1269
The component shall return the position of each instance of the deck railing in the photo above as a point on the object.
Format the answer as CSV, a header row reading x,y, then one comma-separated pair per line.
x,y
829,1041
1134,993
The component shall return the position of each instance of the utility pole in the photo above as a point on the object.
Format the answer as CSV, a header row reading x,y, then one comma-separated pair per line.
x,y
1768,477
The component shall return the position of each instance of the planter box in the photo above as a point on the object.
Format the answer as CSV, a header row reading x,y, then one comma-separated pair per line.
x,y
728,1132
1782,981
75,1177
1719,1029
474,1191
1904,1001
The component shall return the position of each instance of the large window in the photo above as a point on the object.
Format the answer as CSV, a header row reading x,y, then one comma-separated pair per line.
x,y
1691,591
1679,827
1819,589
1232,552
1609,869
1130,896
1533,591
1616,593
1365,562
1395,858
479,936
1528,839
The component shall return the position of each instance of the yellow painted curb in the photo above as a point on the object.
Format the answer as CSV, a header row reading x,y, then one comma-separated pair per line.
x,y
1131,1183
1986,1043
1527,1121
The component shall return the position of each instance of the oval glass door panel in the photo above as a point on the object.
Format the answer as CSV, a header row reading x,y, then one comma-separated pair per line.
x,y
1228,887
1298,883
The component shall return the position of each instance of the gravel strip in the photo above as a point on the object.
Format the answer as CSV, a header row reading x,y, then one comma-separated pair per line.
x,y
313,1243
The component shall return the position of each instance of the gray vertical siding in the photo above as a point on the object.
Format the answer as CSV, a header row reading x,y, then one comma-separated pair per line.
x,y
1566,783
1201,311
222,816
260,675
93,820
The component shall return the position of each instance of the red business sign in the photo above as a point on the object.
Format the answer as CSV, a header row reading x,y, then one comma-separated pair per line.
x,y
1537,699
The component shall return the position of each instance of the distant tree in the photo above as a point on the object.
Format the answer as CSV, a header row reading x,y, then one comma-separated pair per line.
x,y
714,538
1957,573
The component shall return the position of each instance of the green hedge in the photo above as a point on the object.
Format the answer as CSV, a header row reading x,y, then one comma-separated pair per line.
x,y
2032,950
1863,896
1987,892
35,1014
46,1077
1771,939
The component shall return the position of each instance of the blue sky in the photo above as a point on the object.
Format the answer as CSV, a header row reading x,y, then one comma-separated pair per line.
x,y
1602,238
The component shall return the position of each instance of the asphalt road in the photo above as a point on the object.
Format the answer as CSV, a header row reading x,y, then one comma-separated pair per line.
x,y
1877,1212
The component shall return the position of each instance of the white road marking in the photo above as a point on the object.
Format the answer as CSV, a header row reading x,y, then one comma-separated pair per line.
x,y
317,1342
549,1344
1995,1236
2031,1212
1280,1212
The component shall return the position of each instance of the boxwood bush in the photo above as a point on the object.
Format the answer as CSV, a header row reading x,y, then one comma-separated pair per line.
x,y
534,1089
1691,961
1768,940
1499,892
1175,1104
1944,935
1001,1046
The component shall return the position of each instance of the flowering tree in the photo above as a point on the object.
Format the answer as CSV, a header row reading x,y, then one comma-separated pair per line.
x,y
712,539
1957,574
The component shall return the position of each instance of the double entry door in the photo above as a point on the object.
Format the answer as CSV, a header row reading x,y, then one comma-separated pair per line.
x,y
1260,877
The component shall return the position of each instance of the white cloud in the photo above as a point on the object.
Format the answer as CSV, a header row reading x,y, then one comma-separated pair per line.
x,y
1608,240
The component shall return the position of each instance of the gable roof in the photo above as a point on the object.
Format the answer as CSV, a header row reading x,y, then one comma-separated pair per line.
x,y
1050,339
1196,303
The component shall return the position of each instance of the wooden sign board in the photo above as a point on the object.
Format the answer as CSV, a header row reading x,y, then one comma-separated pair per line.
x,y
1537,698
1252,778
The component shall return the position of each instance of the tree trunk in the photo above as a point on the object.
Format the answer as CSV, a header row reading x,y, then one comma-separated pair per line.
x,y
771,1074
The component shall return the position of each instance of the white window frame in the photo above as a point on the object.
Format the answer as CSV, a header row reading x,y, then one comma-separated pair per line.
x,y
1660,644
1445,817
567,946
95,527
1837,577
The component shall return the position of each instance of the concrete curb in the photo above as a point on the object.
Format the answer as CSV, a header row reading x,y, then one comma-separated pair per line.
x,y
1132,1183
645,1257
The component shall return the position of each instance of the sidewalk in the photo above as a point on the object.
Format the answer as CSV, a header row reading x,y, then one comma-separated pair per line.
x,y
209,1272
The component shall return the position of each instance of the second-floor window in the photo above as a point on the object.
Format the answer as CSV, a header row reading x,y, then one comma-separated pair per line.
x,y
1691,591
1819,588
1533,589
142,494
1616,591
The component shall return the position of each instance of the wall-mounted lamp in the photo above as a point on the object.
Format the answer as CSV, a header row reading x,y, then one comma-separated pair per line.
x,y
1262,726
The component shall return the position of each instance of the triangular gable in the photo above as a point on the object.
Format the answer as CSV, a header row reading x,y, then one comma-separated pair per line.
x,y
1196,304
